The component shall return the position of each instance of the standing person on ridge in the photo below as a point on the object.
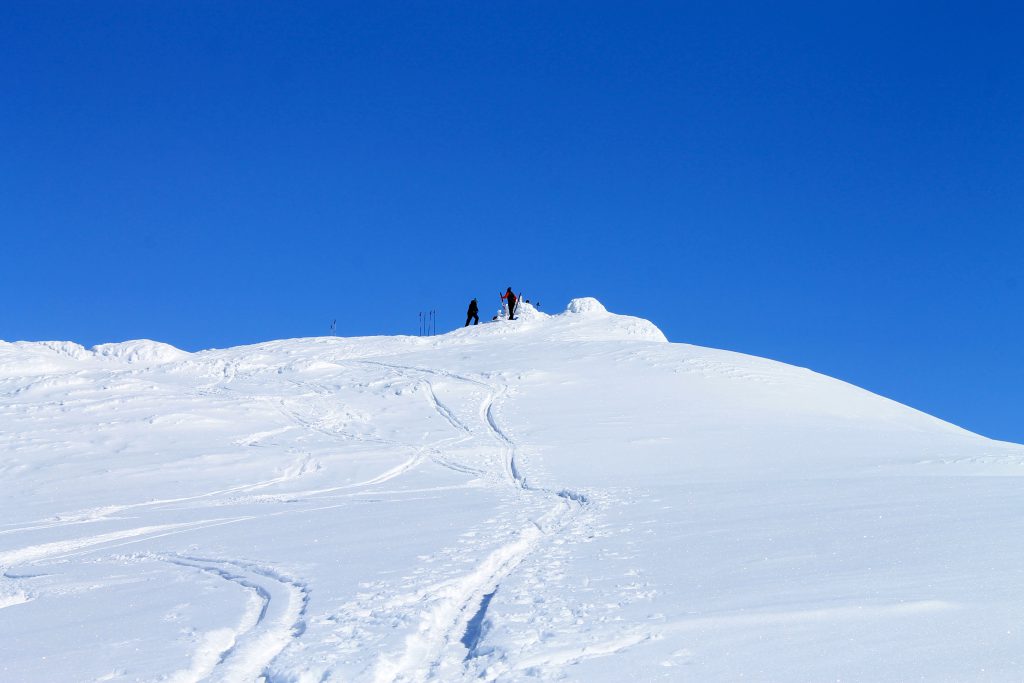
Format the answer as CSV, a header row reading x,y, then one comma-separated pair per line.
x,y
472,313
511,302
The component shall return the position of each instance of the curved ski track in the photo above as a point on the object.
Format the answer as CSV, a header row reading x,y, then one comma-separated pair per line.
x,y
274,618
447,639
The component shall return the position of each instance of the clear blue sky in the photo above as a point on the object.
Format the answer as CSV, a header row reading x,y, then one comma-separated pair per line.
x,y
838,185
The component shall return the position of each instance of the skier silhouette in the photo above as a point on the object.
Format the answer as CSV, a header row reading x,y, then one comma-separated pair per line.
x,y
511,303
472,313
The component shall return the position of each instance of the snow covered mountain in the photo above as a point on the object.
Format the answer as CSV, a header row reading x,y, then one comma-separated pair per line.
x,y
565,497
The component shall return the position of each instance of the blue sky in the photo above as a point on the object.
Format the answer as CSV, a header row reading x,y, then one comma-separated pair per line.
x,y
836,185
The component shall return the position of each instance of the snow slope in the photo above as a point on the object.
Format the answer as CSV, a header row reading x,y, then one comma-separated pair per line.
x,y
563,497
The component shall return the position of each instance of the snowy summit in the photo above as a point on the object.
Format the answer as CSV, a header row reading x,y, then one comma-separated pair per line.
x,y
558,497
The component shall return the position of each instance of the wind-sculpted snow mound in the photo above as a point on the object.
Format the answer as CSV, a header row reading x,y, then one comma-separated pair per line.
x,y
25,359
586,318
585,305
527,311
52,357
140,351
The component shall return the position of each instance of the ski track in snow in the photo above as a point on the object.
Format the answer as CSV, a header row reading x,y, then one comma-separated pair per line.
x,y
302,466
274,618
454,606
394,472
508,447
574,655
66,548
447,639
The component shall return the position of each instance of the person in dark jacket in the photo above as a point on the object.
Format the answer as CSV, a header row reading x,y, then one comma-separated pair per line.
x,y
511,303
472,313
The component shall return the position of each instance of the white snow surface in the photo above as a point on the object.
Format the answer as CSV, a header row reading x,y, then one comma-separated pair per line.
x,y
559,497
